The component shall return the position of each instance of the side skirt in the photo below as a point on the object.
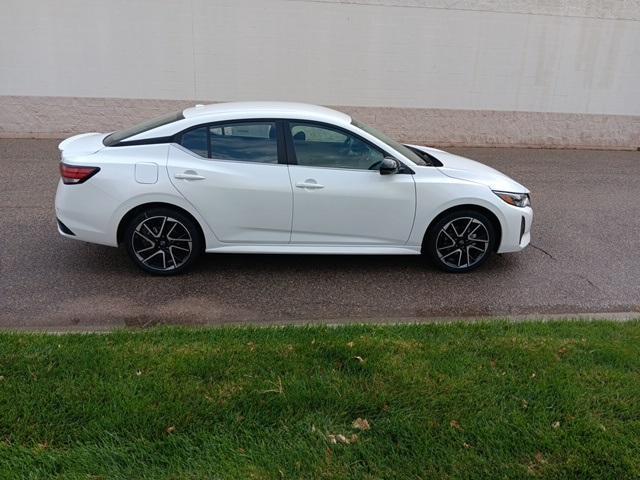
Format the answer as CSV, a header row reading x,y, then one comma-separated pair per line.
x,y
320,249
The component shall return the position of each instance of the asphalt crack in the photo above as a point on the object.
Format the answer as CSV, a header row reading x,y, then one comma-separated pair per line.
x,y
583,277
543,251
586,279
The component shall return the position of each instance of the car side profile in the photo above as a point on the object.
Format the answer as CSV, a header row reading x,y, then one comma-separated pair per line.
x,y
276,177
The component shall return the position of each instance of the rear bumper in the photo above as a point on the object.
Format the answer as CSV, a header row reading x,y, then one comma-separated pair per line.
x,y
77,221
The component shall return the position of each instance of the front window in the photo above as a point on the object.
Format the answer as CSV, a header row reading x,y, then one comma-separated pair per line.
x,y
323,146
397,146
117,137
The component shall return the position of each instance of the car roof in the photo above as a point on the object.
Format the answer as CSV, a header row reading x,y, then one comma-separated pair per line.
x,y
266,110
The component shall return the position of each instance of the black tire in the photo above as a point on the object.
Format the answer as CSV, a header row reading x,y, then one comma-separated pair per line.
x,y
163,241
468,232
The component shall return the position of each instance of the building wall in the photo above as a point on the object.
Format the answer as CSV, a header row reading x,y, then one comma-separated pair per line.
x,y
484,72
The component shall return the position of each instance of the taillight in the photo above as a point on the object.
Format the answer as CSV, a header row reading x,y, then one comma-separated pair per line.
x,y
73,174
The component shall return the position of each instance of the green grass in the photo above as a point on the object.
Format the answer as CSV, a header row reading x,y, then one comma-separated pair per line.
x,y
490,400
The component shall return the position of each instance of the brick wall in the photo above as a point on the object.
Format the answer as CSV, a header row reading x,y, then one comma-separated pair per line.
x,y
57,117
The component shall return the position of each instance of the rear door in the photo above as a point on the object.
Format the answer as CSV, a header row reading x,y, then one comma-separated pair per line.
x,y
235,176
339,196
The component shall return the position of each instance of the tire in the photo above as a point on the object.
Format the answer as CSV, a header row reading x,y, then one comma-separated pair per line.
x,y
461,241
163,241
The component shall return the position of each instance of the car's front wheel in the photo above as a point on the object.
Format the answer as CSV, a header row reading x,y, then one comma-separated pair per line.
x,y
460,241
163,241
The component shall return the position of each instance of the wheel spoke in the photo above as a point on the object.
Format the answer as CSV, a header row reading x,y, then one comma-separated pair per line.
x,y
164,221
146,249
474,230
173,259
149,230
450,253
467,227
151,256
171,230
143,236
449,237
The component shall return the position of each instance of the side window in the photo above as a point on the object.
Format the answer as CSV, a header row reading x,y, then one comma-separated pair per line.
x,y
245,142
239,141
196,141
320,146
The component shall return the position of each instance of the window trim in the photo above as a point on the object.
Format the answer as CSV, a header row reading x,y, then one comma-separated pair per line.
x,y
173,117
280,140
293,160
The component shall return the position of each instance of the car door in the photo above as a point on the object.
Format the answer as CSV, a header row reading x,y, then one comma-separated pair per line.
x,y
233,174
339,195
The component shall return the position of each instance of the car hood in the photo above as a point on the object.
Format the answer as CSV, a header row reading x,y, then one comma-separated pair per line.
x,y
462,168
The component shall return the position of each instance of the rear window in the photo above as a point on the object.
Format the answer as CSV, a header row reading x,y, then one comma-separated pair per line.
x,y
117,137
247,141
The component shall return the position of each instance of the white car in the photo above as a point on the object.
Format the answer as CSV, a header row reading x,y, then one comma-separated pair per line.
x,y
274,177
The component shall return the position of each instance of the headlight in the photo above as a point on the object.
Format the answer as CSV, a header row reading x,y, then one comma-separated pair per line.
x,y
515,199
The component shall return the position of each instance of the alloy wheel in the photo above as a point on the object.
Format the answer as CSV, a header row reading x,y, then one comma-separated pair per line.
x,y
462,242
161,243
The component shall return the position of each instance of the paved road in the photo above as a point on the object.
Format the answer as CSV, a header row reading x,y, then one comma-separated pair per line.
x,y
585,258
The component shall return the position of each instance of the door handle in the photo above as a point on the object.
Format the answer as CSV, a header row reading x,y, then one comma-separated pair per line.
x,y
188,176
310,185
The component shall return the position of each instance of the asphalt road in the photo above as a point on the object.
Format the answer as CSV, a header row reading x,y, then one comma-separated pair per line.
x,y
585,257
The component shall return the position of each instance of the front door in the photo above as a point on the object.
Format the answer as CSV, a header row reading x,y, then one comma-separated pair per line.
x,y
339,196
232,175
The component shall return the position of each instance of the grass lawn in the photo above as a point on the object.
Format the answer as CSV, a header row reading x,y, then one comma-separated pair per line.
x,y
490,400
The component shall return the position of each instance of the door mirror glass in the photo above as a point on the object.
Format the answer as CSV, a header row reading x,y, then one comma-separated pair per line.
x,y
389,166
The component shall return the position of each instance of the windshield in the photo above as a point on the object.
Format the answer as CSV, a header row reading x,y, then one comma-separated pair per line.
x,y
404,150
117,137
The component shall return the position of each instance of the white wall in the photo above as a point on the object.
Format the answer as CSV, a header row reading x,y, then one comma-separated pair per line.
x,y
579,56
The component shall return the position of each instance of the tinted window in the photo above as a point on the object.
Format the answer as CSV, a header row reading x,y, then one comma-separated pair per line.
x,y
245,142
121,135
196,141
320,146
404,150
238,141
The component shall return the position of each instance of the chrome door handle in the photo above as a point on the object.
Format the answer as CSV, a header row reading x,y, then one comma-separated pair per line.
x,y
188,176
313,186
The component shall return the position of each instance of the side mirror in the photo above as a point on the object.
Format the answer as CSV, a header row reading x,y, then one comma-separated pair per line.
x,y
389,166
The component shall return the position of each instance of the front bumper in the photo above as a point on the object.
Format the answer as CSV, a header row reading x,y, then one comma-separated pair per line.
x,y
516,230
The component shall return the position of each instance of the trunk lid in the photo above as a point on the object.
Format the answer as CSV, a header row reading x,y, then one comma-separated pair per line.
x,y
83,144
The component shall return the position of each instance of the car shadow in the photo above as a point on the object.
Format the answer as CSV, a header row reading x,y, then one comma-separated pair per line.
x,y
97,259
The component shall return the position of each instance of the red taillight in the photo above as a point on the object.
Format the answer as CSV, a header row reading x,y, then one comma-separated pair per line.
x,y
72,174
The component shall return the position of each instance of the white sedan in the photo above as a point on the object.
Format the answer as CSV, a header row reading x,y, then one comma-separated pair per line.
x,y
271,177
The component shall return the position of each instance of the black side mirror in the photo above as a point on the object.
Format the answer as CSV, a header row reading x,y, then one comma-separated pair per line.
x,y
389,166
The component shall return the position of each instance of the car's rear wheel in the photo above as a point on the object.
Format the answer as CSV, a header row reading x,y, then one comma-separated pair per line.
x,y
460,241
163,241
